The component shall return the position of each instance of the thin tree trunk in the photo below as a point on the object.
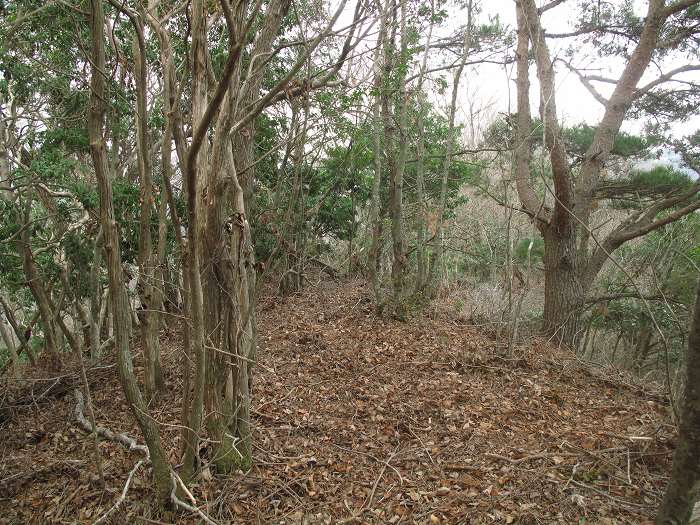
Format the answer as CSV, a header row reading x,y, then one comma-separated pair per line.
x,y
120,307
147,286
682,490
421,248
35,283
173,132
95,295
375,219
437,238
196,176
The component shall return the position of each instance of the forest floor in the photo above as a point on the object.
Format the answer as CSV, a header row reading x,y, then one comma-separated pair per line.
x,y
363,420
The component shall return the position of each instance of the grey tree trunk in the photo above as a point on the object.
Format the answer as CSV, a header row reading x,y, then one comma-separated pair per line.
x,y
375,218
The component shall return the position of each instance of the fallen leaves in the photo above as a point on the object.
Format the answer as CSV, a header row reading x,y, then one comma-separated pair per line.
x,y
362,420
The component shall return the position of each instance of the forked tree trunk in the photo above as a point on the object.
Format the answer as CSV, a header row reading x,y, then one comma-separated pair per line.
x,y
570,269
683,487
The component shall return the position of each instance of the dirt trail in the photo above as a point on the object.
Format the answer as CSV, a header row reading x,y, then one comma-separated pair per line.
x,y
360,420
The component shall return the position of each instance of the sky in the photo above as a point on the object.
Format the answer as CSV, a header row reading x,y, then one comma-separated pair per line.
x,y
574,103
489,89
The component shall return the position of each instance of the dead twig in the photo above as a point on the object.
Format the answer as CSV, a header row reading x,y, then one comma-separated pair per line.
x,y
122,496
179,503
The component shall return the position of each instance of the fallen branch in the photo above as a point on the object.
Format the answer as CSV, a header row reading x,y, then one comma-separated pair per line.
x,y
122,496
132,444
125,440
524,459
608,495
178,502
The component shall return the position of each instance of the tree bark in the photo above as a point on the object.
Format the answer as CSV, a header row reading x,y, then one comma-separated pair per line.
x,y
682,490
395,149
173,132
422,214
563,292
35,283
10,345
119,302
195,175
375,218
149,320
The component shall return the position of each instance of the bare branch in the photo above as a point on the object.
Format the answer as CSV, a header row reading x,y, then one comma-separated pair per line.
x,y
666,77
587,84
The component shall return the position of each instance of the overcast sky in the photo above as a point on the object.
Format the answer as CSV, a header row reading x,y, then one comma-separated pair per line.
x,y
574,103
491,89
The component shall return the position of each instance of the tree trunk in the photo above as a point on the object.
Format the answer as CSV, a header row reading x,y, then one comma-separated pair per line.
x,y
147,286
437,235
641,350
293,223
173,132
375,217
682,490
10,345
422,213
195,179
35,283
396,160
564,292
95,295
119,302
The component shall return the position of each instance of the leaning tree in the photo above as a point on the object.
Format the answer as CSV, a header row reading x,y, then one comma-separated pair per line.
x,y
565,213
